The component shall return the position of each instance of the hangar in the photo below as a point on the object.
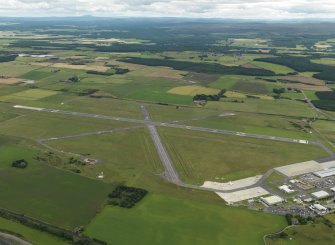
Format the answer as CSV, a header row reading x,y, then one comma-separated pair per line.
x,y
325,173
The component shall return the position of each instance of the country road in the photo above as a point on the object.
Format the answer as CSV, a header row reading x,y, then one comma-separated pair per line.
x,y
315,108
8,239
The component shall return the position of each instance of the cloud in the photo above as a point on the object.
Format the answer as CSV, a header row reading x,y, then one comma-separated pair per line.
x,y
238,9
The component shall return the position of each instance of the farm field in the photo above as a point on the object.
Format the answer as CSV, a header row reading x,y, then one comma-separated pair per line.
x,y
192,90
32,94
72,195
15,69
278,69
168,220
273,107
199,156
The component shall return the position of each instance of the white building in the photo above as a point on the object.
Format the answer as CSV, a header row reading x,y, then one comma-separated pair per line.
x,y
332,189
272,200
320,207
286,189
320,194
325,173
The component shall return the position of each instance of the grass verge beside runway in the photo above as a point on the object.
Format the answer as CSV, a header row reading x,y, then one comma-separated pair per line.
x,y
258,124
42,125
124,154
201,156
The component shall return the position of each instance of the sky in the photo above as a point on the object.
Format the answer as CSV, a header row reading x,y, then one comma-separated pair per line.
x,y
235,9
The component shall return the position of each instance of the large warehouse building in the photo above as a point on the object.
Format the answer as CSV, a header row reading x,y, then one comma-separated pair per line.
x,y
325,173
320,194
272,200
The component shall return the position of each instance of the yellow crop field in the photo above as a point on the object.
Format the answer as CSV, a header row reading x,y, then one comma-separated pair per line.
x,y
192,90
10,80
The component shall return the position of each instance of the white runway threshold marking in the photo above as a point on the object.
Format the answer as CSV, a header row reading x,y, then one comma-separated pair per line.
x,y
28,108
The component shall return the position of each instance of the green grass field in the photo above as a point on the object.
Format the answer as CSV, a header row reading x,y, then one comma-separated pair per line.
x,y
277,107
15,69
102,106
167,220
278,69
171,113
125,154
29,234
46,193
36,74
250,87
202,156
12,152
324,61
259,124
43,125
31,94
307,235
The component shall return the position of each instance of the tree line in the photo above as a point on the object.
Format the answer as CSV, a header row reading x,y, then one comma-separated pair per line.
x,y
74,237
211,68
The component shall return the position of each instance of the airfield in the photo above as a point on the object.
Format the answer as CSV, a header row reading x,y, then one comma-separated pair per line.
x,y
90,113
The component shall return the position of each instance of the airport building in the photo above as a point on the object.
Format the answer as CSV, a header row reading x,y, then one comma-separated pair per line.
x,y
325,173
320,194
272,200
319,209
287,189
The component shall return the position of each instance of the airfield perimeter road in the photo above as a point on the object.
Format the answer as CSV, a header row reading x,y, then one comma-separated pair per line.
x,y
8,239
170,173
315,108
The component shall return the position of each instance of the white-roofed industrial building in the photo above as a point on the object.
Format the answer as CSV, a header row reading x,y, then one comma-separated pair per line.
x,y
325,173
272,200
319,207
320,194
286,189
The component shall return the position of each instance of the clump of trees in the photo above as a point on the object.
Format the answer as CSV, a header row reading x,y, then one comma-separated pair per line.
x,y
88,91
279,90
126,197
20,163
7,58
72,79
115,70
205,97
303,64
297,219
